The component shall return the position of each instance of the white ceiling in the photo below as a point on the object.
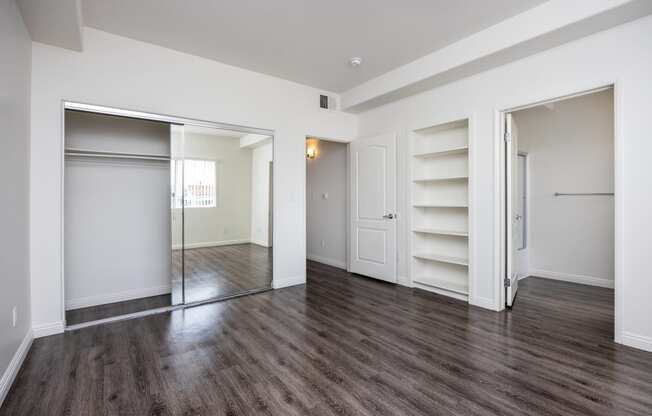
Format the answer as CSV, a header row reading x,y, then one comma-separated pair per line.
x,y
309,42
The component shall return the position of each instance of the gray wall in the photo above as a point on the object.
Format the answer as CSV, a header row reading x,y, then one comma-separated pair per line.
x,y
15,71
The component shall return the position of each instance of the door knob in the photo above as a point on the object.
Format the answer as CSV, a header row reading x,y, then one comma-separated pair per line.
x,y
389,216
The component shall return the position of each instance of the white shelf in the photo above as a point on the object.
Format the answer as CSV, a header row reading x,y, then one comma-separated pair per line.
x,y
443,205
440,153
441,258
441,179
440,232
455,287
439,195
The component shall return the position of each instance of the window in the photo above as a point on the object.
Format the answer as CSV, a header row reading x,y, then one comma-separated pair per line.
x,y
198,178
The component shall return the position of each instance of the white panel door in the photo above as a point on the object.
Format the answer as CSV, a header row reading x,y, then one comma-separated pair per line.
x,y
373,207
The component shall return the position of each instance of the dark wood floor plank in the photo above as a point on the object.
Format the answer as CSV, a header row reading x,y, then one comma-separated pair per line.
x,y
346,345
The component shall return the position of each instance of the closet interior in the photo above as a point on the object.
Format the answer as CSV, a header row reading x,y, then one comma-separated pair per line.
x,y
162,213
439,238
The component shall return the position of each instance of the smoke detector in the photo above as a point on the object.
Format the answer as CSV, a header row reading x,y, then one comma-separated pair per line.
x,y
355,62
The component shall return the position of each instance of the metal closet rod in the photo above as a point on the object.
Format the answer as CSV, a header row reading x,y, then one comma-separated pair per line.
x,y
120,155
582,193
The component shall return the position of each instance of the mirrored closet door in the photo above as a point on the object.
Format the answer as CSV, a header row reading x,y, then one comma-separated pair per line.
x,y
159,212
221,213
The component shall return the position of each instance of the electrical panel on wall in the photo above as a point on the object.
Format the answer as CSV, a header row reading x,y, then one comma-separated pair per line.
x,y
440,209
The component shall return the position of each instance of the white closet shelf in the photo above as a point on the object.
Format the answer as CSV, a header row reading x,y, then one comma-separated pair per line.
x,y
442,205
456,287
440,153
441,258
441,179
440,232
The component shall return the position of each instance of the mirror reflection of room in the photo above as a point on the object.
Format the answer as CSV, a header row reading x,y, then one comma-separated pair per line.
x,y
224,205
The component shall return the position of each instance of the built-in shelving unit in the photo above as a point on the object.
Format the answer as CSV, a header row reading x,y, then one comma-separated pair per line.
x,y
440,216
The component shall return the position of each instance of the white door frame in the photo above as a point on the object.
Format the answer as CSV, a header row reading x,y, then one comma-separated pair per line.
x,y
619,188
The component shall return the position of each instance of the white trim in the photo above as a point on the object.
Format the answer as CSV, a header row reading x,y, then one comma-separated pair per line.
x,y
574,278
330,262
619,211
487,303
45,330
636,341
279,283
16,362
212,244
117,297
122,112
260,243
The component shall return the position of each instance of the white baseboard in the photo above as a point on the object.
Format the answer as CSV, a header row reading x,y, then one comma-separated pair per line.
x,y
212,244
331,262
573,278
117,297
45,330
14,365
279,283
260,243
486,303
637,341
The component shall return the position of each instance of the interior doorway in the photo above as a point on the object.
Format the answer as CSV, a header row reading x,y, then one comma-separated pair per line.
x,y
326,202
559,205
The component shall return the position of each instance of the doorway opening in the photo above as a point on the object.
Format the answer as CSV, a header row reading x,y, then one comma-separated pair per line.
x,y
327,202
559,209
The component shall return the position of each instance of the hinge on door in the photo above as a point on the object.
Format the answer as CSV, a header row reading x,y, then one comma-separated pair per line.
x,y
508,137
508,282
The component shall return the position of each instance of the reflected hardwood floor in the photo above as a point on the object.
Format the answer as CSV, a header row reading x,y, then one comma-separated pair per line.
x,y
346,345
211,272
214,272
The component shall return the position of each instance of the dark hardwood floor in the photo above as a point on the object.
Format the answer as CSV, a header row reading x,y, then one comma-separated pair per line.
x,y
211,272
345,345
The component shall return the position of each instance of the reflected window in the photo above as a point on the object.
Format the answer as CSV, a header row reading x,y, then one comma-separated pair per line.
x,y
198,184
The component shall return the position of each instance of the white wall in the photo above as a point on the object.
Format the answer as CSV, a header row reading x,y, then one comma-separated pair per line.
x,y
327,225
260,194
229,221
570,146
123,73
622,55
117,217
15,69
